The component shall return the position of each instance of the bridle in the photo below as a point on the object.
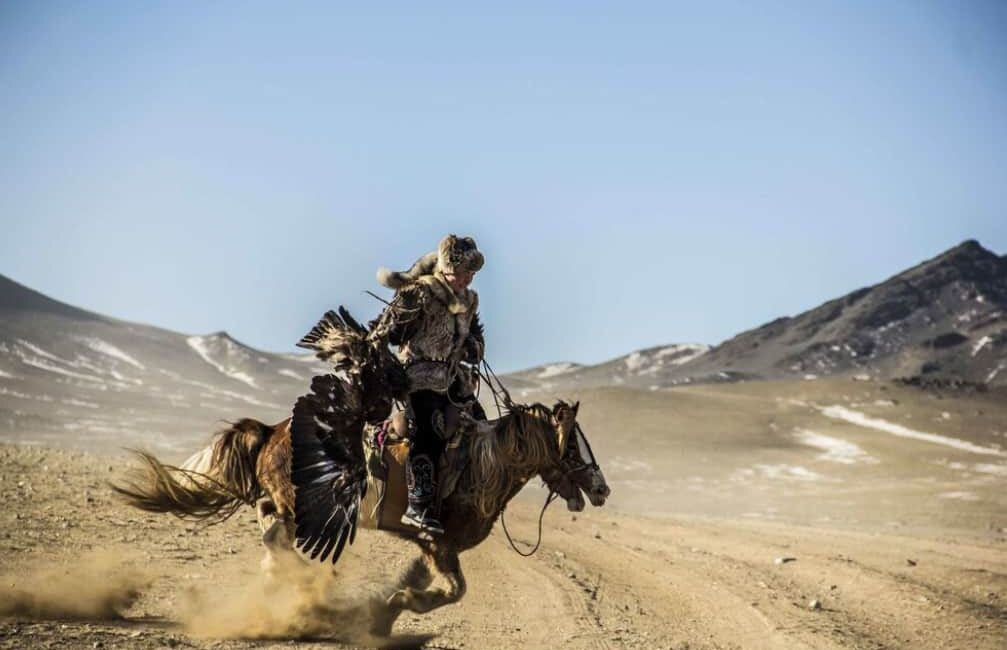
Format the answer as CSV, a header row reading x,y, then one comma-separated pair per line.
x,y
577,438
566,470
502,396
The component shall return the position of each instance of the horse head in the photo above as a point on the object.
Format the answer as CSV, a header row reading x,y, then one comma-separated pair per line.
x,y
577,472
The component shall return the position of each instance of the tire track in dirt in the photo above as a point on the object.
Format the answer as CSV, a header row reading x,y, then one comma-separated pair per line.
x,y
871,607
649,583
631,598
605,580
683,601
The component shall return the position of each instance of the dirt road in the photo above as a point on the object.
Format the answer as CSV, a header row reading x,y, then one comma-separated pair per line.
x,y
73,557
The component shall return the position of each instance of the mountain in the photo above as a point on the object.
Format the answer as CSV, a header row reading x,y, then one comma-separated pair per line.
x,y
653,367
67,372
944,319
71,374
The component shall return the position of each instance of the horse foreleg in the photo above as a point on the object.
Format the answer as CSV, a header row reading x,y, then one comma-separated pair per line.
x,y
417,576
446,565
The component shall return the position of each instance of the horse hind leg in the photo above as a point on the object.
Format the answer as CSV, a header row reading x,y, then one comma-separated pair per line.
x,y
266,513
278,539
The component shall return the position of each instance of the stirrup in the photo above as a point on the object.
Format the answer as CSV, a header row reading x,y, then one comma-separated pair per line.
x,y
423,520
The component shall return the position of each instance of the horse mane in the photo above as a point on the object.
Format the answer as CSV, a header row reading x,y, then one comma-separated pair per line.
x,y
519,444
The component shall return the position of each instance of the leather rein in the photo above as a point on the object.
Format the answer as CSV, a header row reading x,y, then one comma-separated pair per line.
x,y
502,396
553,494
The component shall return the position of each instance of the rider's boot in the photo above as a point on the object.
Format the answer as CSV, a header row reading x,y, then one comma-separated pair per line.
x,y
420,482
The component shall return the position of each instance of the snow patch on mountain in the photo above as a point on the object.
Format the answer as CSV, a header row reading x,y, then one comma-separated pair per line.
x,y
860,419
79,402
780,472
110,350
118,376
983,342
248,399
31,347
990,468
43,364
836,450
209,347
21,395
682,353
556,369
647,362
960,495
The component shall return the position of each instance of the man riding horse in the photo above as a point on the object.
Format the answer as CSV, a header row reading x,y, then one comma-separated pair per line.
x,y
310,476
433,321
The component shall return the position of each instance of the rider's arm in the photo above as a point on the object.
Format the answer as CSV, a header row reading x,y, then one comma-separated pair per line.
x,y
475,342
400,319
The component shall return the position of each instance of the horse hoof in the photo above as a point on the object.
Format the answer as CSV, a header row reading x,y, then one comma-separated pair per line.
x,y
381,619
397,600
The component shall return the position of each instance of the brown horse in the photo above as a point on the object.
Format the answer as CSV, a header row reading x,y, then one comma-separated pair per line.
x,y
250,463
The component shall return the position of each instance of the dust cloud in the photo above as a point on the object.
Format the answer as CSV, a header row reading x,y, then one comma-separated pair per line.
x,y
302,601
98,586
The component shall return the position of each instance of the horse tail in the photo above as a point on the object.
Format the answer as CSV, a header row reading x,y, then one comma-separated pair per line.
x,y
212,484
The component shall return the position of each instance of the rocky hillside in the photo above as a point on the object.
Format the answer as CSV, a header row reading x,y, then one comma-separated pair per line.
x,y
70,373
944,319
655,366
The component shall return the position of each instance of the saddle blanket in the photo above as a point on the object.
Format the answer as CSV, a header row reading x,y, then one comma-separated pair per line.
x,y
387,497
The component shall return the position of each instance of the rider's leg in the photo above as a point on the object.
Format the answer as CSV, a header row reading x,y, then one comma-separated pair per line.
x,y
424,452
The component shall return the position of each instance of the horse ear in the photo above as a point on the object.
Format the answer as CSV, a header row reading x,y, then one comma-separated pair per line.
x,y
562,434
561,416
576,405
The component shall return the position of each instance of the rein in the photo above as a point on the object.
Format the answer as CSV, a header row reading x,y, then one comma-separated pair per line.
x,y
502,396
548,500
500,393
553,494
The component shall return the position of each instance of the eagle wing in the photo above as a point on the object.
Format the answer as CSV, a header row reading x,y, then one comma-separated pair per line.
x,y
364,357
327,466
338,339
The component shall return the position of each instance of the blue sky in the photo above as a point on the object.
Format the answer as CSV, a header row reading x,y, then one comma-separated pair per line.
x,y
636,173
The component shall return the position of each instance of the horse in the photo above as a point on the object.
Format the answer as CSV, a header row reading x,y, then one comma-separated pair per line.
x,y
249,463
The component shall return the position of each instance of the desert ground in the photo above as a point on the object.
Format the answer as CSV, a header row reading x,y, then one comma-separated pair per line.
x,y
816,514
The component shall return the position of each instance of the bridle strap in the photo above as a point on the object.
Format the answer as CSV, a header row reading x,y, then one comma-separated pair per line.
x,y
561,466
579,435
553,494
548,500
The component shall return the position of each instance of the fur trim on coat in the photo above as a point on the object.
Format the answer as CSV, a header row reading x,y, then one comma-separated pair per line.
x,y
453,253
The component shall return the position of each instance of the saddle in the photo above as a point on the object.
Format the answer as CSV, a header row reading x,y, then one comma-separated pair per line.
x,y
386,449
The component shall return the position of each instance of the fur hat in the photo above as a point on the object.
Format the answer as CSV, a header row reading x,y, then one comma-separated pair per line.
x,y
458,254
453,254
